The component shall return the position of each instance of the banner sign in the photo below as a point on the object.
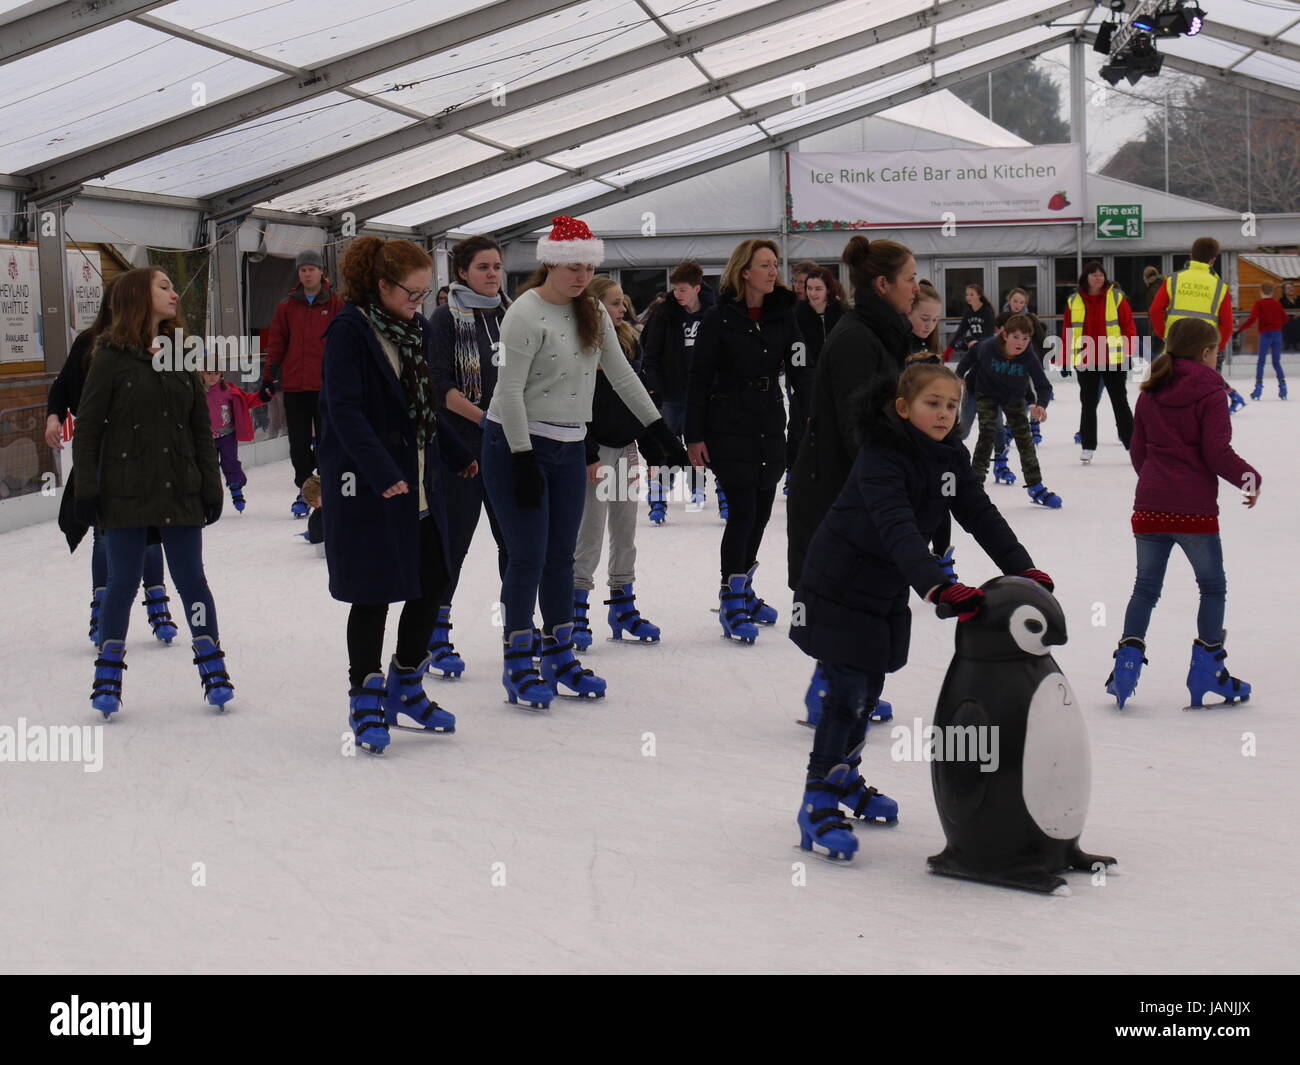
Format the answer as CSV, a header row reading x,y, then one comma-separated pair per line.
x,y
20,339
85,289
939,186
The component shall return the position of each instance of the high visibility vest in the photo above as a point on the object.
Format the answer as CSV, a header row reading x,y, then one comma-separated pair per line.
x,y
1114,338
1194,293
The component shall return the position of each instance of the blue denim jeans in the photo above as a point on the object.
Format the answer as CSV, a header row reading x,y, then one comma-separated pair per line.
x,y
539,540
851,695
126,558
1205,553
1270,343
153,563
674,412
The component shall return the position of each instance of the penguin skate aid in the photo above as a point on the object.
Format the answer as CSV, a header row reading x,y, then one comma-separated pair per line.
x,y
1019,824
872,548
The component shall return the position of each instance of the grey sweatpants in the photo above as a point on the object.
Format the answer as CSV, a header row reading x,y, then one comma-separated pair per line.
x,y
614,498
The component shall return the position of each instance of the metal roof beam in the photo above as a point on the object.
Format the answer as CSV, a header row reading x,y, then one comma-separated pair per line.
x,y
137,145
791,136
752,116
538,150
525,96
64,22
1256,42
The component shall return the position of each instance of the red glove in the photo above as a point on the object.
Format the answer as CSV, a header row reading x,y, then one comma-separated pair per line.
x,y
1041,577
962,599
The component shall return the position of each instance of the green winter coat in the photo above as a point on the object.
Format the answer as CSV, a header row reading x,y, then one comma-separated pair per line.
x,y
143,443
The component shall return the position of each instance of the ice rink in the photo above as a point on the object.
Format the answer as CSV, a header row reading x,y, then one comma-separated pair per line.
x,y
652,830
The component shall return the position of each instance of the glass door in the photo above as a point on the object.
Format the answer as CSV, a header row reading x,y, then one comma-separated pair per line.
x,y
1016,273
953,279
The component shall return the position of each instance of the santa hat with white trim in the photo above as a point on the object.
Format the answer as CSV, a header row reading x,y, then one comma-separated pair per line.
x,y
570,241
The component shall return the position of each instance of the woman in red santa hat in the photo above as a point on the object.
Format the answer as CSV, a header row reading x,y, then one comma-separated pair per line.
x,y
553,338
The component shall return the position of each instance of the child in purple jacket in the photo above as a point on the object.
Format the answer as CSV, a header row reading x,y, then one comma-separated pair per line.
x,y
1182,444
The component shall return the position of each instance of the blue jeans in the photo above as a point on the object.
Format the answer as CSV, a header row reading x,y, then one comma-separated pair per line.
x,y
851,695
153,563
1270,342
539,540
674,413
126,554
1205,552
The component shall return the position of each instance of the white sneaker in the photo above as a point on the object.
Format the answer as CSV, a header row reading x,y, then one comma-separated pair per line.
x,y
1087,457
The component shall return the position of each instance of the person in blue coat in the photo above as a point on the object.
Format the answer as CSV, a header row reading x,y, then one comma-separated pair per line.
x,y
874,544
384,460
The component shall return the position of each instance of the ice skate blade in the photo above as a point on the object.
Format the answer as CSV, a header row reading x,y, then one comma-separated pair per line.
x,y
874,822
804,722
829,857
1226,704
417,728
532,708
579,697
632,640
739,639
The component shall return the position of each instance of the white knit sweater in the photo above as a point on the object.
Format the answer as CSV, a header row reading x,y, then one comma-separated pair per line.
x,y
543,376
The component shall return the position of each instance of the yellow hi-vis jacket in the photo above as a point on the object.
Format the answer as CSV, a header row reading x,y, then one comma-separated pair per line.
x,y
1114,338
1194,293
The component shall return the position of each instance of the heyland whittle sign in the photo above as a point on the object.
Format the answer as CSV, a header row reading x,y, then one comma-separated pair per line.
x,y
858,190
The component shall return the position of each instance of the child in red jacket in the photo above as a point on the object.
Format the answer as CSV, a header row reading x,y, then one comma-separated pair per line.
x,y
228,409
1181,446
1271,316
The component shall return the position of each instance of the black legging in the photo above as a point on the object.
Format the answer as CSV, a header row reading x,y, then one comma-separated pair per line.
x,y
302,420
749,507
414,628
1090,383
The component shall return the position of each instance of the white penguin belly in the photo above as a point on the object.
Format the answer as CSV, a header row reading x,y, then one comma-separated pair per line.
x,y
1057,766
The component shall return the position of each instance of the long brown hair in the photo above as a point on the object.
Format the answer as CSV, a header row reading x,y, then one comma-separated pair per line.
x,y
585,311
834,290
370,260
129,300
732,284
463,252
626,334
1187,338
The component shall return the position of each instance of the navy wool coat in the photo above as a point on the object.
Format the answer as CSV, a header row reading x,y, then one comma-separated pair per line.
x,y
875,540
366,445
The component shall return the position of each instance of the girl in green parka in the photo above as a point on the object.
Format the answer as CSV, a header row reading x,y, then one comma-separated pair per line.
x,y
147,470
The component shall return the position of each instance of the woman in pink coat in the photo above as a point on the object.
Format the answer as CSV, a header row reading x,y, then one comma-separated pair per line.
x,y
1181,446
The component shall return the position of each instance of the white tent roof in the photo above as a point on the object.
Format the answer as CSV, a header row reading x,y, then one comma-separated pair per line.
x,y
476,114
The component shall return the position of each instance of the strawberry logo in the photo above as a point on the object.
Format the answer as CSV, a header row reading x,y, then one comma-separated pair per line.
x,y
1058,202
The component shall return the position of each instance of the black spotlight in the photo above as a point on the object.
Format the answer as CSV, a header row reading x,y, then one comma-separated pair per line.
x,y
1104,34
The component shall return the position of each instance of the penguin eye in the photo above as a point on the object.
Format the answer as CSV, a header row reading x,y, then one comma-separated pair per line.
x,y
1027,624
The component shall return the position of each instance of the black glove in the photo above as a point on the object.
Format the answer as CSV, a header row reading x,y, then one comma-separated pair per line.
x,y
212,511
528,483
670,448
86,510
266,391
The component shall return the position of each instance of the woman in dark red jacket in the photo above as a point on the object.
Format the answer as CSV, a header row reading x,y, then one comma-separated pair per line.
x,y
1182,444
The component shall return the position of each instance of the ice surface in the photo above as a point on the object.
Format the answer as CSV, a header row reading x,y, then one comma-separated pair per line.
x,y
614,861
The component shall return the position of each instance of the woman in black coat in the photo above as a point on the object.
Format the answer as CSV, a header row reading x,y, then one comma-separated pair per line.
x,y
383,459
147,471
64,399
817,314
874,545
735,420
870,343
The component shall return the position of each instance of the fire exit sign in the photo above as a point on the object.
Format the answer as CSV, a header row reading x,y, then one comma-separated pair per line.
x,y
1119,221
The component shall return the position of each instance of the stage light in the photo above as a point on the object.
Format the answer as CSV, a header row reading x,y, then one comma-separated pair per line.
x,y
1104,34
